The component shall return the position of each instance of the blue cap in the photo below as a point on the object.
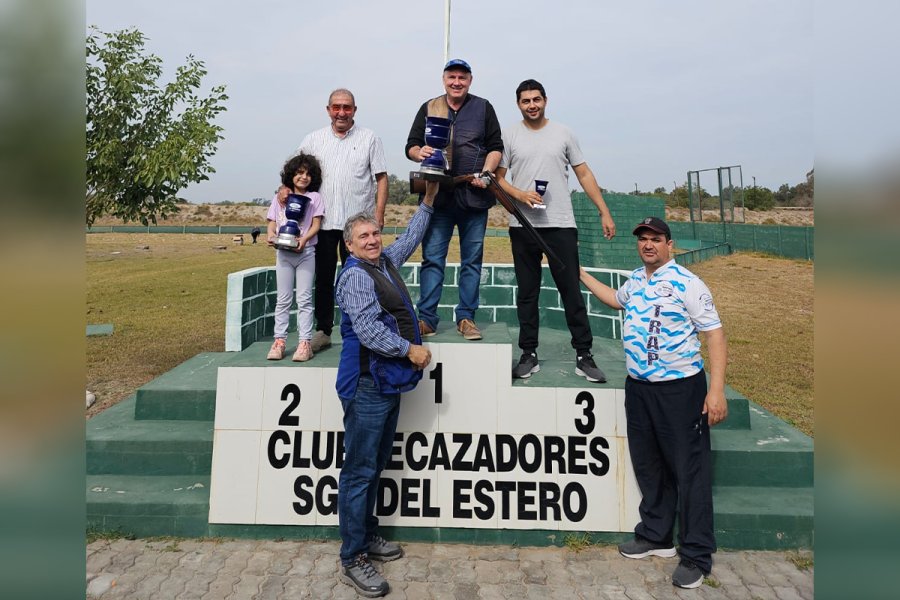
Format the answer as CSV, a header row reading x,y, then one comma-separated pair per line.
x,y
458,62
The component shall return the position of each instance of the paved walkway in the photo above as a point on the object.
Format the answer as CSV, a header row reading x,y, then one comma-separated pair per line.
x,y
254,569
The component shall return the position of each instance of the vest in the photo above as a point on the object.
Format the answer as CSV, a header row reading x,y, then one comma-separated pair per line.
x,y
466,153
392,374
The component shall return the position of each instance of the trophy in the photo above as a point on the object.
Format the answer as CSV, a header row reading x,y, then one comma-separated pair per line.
x,y
290,231
540,186
437,135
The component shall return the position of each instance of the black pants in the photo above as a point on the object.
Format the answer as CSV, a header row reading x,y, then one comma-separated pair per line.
x,y
328,244
527,261
668,438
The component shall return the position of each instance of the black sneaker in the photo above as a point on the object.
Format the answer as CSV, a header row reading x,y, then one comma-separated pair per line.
x,y
687,575
383,550
528,364
642,548
587,368
362,576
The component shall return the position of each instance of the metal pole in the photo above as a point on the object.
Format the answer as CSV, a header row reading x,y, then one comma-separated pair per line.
x,y
446,31
722,207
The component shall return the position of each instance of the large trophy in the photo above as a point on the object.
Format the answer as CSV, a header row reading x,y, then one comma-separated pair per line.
x,y
435,167
290,231
437,135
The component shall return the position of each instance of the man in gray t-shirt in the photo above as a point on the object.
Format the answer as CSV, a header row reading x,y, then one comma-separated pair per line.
x,y
538,153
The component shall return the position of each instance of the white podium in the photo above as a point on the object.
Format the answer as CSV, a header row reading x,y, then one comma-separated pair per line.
x,y
471,450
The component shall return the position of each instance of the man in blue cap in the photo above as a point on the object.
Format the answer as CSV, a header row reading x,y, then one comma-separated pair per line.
x,y
476,146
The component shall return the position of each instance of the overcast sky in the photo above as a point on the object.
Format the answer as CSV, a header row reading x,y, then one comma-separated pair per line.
x,y
652,88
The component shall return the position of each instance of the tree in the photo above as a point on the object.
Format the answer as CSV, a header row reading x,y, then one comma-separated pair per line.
x,y
398,191
679,197
145,142
758,198
784,195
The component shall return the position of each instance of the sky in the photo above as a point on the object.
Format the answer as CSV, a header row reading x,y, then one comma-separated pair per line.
x,y
652,89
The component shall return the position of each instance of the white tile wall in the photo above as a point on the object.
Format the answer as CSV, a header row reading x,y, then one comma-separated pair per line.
x,y
235,470
478,399
239,393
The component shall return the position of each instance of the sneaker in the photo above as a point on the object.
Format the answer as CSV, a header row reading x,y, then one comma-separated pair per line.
x,y
320,341
383,550
304,352
425,330
587,368
362,576
468,329
528,364
276,352
642,548
687,575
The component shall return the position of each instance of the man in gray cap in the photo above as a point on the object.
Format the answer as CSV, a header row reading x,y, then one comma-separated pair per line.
x,y
668,407
476,146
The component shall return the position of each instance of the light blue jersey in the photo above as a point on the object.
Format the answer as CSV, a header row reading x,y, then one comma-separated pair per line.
x,y
662,318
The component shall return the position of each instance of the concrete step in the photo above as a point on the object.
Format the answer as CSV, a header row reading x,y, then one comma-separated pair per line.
x,y
764,518
770,453
117,443
187,392
149,505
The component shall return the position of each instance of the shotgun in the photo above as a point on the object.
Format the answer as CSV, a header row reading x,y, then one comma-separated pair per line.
x,y
417,186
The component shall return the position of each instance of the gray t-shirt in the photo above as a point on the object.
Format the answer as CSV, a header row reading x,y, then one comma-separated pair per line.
x,y
543,154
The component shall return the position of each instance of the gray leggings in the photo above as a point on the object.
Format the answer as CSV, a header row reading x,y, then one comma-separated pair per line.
x,y
291,267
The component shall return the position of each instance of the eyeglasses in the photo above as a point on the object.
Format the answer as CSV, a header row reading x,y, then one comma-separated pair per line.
x,y
341,107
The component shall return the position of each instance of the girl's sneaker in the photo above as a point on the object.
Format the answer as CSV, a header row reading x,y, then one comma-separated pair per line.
x,y
304,352
276,352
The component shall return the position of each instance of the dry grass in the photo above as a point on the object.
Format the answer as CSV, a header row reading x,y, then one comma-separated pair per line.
x,y
216,214
167,303
766,305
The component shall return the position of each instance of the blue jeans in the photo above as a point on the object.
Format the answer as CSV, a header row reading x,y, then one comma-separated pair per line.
x,y
471,225
370,421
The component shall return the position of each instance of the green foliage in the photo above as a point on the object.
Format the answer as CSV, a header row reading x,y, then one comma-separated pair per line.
x,y
758,198
145,141
797,195
398,191
577,542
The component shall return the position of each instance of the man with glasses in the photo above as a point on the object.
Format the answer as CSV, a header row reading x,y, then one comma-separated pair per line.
x,y
354,179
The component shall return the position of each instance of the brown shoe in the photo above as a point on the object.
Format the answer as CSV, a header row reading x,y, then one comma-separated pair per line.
x,y
468,329
425,329
320,341
276,352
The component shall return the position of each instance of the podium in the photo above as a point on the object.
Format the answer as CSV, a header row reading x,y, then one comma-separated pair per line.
x,y
472,449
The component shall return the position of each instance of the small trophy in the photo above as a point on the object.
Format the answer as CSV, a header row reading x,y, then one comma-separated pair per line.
x,y
540,186
437,135
290,231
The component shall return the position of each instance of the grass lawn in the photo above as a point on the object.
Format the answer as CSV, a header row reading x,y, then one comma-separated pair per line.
x,y
165,296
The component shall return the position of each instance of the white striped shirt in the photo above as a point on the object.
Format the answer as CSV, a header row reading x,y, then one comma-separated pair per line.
x,y
349,165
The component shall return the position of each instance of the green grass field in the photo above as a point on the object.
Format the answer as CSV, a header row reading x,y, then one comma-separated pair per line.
x,y
165,296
